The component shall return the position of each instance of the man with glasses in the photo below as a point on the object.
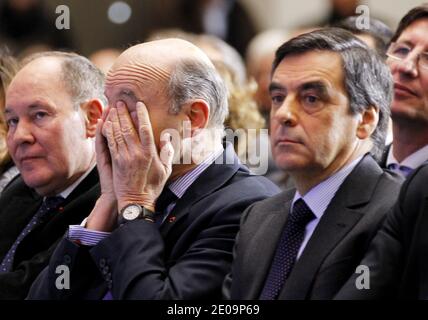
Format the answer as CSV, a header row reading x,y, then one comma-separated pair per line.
x,y
408,61
396,263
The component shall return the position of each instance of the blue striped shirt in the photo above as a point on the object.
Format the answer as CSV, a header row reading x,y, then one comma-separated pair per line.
x,y
79,234
320,196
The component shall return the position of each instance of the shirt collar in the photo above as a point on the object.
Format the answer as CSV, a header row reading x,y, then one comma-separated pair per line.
x,y
179,186
71,188
320,196
413,161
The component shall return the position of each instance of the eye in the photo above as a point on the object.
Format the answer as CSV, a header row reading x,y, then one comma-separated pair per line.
x,y
12,122
309,99
277,99
401,51
40,115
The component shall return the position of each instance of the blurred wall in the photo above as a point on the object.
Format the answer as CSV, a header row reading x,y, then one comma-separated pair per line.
x,y
92,30
294,13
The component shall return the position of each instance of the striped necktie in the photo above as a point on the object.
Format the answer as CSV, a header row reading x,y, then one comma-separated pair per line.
x,y
48,205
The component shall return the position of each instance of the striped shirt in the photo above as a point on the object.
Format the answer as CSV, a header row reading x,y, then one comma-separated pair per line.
x,y
81,235
320,196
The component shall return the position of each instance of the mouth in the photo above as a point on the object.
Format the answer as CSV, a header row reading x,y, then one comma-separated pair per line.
x,y
403,90
27,159
286,141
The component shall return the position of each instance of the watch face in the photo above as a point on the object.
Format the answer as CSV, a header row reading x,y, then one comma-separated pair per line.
x,y
132,212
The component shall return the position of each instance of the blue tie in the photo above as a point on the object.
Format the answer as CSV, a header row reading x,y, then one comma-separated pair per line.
x,y
402,170
48,205
287,249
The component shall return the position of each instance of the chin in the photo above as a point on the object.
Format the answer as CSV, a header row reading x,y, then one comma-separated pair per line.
x,y
288,164
36,181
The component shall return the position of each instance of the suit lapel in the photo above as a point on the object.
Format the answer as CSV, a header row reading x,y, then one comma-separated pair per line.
x,y
210,180
19,208
343,212
422,252
75,208
262,246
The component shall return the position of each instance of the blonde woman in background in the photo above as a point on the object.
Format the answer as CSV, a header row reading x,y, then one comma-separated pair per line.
x,y
8,68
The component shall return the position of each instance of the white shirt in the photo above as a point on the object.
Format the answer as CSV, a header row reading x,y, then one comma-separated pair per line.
x,y
320,196
71,188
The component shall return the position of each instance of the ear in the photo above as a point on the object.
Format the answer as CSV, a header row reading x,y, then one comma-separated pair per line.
x,y
92,110
367,122
198,113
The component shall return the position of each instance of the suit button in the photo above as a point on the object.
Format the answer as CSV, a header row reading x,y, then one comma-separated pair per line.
x,y
105,270
67,259
108,276
109,284
102,262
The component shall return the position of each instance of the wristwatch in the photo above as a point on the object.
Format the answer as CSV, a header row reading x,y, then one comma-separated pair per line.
x,y
134,211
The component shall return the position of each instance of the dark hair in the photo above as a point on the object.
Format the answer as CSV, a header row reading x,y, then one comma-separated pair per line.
x,y
410,17
367,78
378,30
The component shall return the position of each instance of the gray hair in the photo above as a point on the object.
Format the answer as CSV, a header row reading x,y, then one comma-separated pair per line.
x,y
192,80
81,78
368,80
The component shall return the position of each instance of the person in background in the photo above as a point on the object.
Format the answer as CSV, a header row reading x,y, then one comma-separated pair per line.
x,y
377,36
8,68
103,59
408,62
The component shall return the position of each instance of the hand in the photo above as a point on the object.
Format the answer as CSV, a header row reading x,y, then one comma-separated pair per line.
x,y
139,172
104,165
104,216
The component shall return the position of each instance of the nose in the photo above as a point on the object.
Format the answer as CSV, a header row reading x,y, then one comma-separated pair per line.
x,y
407,66
22,133
286,113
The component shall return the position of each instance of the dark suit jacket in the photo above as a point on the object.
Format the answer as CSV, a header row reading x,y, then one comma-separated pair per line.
x,y
187,258
384,157
18,204
398,256
335,248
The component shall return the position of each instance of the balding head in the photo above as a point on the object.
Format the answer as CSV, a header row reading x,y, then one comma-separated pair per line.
x,y
171,69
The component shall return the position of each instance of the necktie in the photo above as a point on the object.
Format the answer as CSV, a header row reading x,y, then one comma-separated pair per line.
x,y
403,170
48,205
287,249
165,199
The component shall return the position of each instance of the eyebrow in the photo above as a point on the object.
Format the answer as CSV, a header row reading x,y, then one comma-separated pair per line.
x,y
319,86
276,86
36,105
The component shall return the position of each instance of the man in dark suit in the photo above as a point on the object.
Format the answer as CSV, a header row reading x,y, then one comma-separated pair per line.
x,y
397,260
166,221
327,116
408,61
52,108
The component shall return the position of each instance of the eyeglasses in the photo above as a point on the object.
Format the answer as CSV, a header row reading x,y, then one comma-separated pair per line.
x,y
400,51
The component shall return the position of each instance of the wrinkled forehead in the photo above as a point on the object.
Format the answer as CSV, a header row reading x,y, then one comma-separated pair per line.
x,y
134,80
137,73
